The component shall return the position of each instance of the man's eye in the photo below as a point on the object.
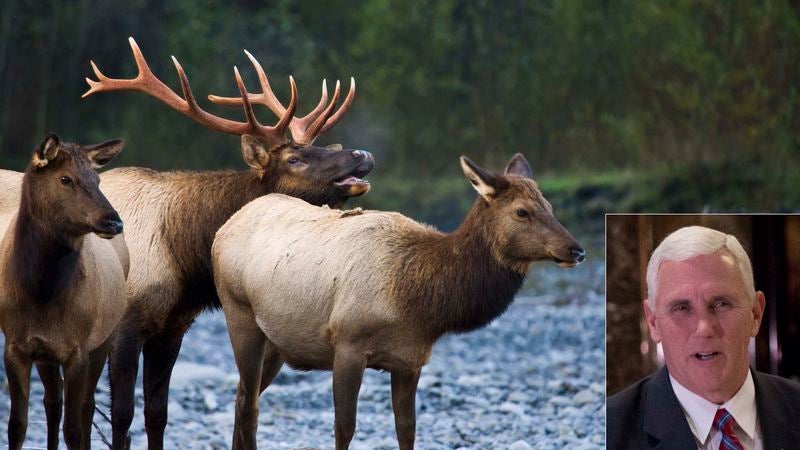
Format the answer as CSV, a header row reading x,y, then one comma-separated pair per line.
x,y
722,304
680,308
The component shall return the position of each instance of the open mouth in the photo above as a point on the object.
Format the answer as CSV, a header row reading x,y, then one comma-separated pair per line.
x,y
353,184
563,262
705,356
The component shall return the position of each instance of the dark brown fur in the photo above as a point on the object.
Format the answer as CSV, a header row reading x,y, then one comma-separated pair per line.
x,y
49,308
199,203
448,298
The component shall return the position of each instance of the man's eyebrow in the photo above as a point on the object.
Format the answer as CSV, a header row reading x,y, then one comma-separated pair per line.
x,y
677,301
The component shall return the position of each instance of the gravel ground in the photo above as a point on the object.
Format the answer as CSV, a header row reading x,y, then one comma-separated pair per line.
x,y
533,379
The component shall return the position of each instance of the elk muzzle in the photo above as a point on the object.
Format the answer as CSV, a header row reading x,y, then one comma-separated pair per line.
x,y
352,183
108,226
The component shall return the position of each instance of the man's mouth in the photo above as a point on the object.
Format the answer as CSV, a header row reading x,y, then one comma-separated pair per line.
x,y
705,356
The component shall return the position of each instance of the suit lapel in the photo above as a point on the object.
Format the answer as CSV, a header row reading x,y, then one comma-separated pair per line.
x,y
664,420
779,419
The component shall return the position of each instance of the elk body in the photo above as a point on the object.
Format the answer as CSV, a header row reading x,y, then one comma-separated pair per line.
x,y
344,291
172,218
62,287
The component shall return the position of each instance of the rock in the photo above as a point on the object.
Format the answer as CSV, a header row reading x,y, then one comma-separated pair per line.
x,y
520,445
584,396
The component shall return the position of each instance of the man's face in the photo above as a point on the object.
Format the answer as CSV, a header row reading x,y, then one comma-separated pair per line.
x,y
704,320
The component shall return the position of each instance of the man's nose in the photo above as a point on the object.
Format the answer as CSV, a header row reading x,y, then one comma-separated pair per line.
x,y
707,325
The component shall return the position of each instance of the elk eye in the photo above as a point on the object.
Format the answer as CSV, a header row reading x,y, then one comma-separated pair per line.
x,y
522,213
66,180
293,160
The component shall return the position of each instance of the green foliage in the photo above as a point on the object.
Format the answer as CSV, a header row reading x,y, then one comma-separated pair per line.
x,y
699,98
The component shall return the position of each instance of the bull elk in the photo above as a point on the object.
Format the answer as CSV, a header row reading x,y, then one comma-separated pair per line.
x,y
62,287
172,218
372,289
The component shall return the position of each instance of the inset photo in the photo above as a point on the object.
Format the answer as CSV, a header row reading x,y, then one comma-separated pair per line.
x,y
703,331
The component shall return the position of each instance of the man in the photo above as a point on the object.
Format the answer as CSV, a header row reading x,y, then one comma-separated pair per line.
x,y
703,308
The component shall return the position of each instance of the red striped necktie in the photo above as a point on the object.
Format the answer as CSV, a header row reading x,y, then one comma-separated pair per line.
x,y
724,422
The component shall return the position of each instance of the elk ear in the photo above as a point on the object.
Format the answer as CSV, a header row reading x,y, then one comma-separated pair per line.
x,y
483,182
334,147
102,153
46,151
519,166
254,153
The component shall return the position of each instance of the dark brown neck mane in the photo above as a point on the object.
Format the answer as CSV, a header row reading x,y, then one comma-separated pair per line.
x,y
453,282
207,200
44,265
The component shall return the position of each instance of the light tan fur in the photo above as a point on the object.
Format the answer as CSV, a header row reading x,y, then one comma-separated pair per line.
x,y
323,293
151,265
325,289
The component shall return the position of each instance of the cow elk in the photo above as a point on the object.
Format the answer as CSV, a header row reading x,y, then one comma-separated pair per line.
x,y
62,287
324,289
173,216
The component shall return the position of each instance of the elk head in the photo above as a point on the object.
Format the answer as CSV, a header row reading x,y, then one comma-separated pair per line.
x,y
61,188
291,166
518,220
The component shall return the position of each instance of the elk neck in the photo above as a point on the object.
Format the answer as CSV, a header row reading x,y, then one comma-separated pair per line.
x,y
454,283
45,263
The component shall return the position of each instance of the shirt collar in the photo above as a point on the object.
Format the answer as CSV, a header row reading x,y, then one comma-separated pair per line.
x,y
742,407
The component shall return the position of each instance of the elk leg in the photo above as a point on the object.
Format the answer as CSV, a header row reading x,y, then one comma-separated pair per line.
x,y
160,354
348,370
18,372
96,360
404,392
50,373
272,365
75,372
123,366
250,352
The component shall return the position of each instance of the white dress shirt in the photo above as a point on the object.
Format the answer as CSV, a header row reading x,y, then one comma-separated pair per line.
x,y
700,415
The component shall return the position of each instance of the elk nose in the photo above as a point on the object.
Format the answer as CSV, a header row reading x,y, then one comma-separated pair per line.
x,y
361,154
113,225
578,253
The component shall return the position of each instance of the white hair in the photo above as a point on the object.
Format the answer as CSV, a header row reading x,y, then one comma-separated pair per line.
x,y
689,242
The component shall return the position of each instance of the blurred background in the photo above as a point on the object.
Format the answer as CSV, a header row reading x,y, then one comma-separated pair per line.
x,y
619,106
771,241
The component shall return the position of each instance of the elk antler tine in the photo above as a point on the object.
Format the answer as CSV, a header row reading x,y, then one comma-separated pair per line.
x,y
287,117
248,108
321,105
187,89
141,64
94,85
315,128
270,100
351,95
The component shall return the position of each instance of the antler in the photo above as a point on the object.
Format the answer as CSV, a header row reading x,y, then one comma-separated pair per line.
x,y
304,129
146,82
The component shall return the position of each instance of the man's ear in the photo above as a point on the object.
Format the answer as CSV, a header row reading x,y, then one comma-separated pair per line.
x,y
519,166
46,151
758,312
102,154
481,180
652,325
254,153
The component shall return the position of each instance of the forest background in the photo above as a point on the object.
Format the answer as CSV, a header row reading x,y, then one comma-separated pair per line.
x,y
619,106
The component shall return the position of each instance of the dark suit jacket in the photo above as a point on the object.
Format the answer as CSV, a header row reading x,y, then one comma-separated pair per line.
x,y
647,415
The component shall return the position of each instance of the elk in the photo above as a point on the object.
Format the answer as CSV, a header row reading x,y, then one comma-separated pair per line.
x,y
172,218
62,287
372,289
